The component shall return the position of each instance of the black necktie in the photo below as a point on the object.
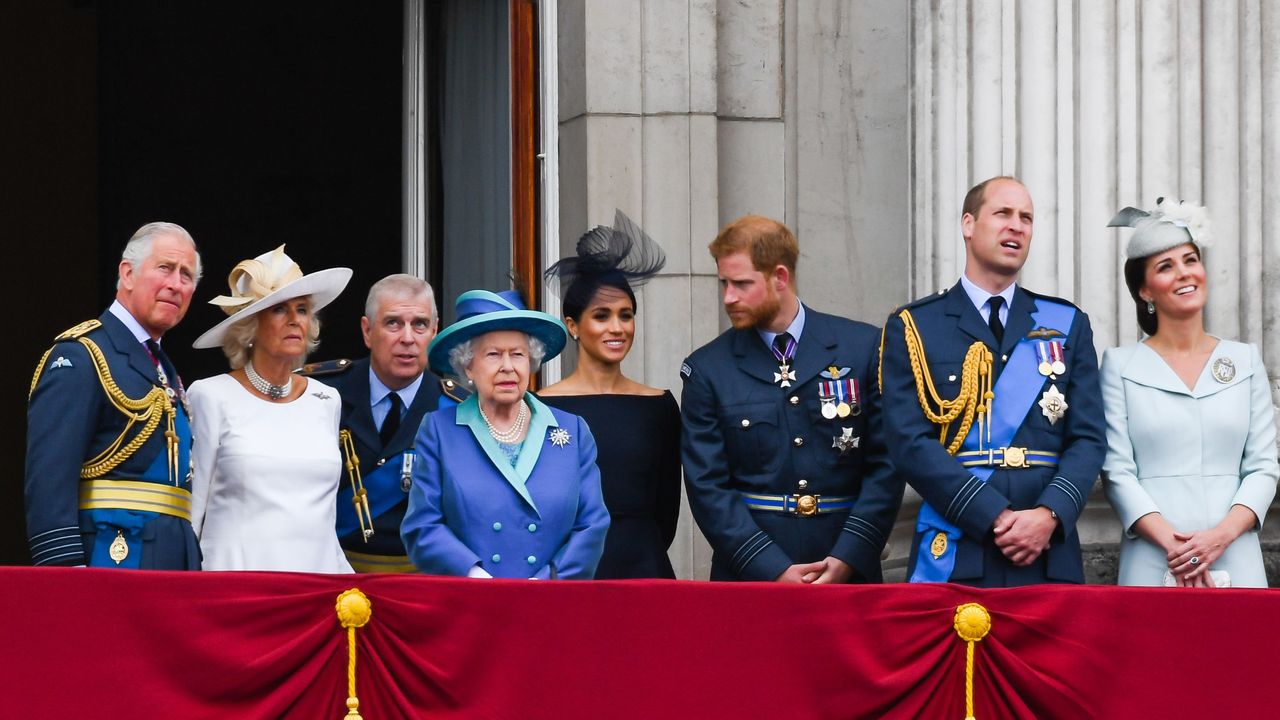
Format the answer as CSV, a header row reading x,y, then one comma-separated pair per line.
x,y
168,375
392,421
997,327
783,347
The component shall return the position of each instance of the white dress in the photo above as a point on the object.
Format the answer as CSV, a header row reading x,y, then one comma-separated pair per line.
x,y
265,482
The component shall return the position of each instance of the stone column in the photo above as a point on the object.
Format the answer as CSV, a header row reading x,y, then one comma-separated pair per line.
x,y
1098,104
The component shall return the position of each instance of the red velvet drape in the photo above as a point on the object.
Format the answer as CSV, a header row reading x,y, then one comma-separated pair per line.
x,y
128,644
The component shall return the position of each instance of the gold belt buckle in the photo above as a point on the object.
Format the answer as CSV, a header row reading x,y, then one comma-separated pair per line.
x,y
1014,457
806,505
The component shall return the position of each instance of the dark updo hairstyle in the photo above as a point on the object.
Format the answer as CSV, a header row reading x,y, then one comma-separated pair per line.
x,y
1135,276
620,257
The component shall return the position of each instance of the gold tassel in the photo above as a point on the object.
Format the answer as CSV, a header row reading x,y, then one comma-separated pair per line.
x,y
354,611
972,623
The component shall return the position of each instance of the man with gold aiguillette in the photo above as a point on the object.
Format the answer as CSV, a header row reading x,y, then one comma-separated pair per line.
x,y
108,480
992,411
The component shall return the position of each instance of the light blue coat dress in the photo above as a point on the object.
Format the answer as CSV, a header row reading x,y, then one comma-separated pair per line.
x,y
469,506
1188,454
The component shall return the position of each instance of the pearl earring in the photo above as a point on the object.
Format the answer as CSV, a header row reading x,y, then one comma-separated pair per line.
x,y
1151,308
575,337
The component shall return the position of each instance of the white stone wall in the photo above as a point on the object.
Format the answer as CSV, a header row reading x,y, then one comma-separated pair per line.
x,y
690,113
1099,104
861,124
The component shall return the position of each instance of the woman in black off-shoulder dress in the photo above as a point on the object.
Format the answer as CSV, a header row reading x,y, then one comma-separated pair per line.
x,y
636,427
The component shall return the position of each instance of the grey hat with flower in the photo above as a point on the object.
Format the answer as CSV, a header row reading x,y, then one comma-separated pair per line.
x,y
1169,224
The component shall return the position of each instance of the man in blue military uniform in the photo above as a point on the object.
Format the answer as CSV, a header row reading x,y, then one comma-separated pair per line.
x,y
784,462
108,441
383,400
993,411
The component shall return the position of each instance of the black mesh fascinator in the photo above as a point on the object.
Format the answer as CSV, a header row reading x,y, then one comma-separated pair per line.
x,y
622,256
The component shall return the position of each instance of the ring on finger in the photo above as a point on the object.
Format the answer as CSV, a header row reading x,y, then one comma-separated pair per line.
x,y
1195,560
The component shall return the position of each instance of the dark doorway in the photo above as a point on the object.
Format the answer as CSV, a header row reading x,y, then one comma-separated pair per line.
x,y
250,124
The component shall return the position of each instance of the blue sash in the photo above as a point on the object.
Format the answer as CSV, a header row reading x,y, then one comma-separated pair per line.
x,y
130,522
1015,392
383,489
382,486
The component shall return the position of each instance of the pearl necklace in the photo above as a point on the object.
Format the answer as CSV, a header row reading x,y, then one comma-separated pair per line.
x,y
262,385
513,433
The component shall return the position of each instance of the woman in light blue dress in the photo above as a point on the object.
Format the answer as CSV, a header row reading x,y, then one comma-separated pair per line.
x,y
1191,462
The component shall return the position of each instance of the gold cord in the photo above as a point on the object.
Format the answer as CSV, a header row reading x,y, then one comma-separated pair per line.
x,y
354,610
975,396
359,496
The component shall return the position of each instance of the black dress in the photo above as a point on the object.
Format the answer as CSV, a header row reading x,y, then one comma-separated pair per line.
x,y
638,452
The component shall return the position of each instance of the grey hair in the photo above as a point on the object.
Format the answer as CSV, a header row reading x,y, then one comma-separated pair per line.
x,y
237,343
461,355
400,285
138,249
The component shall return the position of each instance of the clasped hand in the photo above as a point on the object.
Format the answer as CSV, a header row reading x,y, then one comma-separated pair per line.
x,y
1023,534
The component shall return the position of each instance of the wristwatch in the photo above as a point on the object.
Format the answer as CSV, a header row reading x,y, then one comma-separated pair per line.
x,y
1052,514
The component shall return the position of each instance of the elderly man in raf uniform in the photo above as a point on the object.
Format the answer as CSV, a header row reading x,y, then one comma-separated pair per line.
x,y
383,400
108,479
785,466
993,411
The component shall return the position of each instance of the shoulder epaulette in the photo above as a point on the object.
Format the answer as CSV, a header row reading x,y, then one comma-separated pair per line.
x,y
924,300
454,390
327,367
83,328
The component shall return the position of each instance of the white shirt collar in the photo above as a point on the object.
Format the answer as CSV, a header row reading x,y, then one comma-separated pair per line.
x,y
129,321
795,328
979,298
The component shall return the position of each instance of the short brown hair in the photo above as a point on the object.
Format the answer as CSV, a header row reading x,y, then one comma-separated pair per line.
x,y
768,242
978,194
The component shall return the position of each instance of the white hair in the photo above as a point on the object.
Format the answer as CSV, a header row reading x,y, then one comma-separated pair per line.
x,y
400,285
138,249
461,355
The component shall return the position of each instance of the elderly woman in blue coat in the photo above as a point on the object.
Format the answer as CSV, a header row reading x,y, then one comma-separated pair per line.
x,y
504,485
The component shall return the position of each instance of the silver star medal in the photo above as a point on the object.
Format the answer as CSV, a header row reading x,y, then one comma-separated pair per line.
x,y
845,441
1054,404
559,437
784,376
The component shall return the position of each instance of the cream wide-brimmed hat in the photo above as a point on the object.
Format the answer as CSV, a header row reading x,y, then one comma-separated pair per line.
x,y
267,280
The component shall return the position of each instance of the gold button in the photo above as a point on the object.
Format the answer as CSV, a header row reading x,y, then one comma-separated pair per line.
x,y
798,441
746,422
795,400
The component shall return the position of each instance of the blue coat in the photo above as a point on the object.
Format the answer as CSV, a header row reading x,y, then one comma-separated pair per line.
x,y
948,324
357,416
70,420
469,506
1189,453
743,433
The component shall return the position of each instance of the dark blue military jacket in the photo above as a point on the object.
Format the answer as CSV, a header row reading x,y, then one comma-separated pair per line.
x,y
357,416
948,324
743,433
70,420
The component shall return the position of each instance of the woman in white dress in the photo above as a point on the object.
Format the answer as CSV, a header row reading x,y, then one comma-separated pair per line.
x,y
265,447
1191,461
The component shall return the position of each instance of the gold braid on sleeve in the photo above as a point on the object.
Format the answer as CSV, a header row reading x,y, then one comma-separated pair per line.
x,y
975,394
